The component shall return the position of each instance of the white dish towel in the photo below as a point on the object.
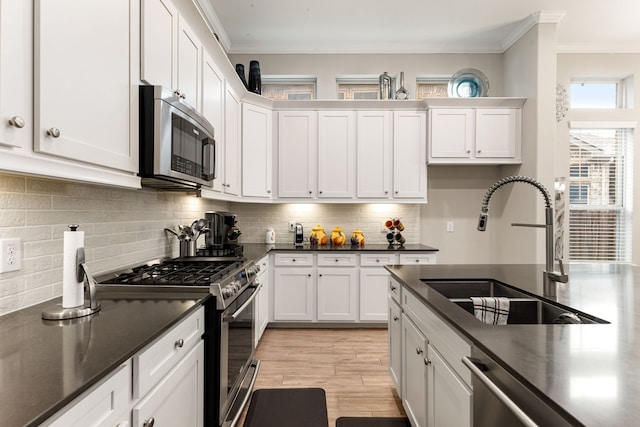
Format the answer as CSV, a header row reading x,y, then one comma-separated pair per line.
x,y
491,310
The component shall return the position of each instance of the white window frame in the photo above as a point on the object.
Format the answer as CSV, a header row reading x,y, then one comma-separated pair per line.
x,y
291,79
624,89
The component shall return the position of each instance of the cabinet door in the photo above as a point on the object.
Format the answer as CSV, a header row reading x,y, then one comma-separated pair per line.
x,y
450,402
336,154
293,294
337,293
189,60
374,286
297,161
178,400
395,344
496,132
374,153
452,132
231,144
409,154
159,43
262,306
414,373
213,103
16,83
257,139
85,102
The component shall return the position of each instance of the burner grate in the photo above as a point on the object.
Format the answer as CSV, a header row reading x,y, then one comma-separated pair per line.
x,y
195,273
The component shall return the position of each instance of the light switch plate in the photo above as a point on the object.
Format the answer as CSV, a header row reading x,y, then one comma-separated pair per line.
x,y
11,252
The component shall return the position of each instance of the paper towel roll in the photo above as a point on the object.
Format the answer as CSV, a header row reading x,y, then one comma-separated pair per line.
x,y
72,290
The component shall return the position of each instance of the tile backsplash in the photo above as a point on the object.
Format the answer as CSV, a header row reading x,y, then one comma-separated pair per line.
x,y
255,218
122,227
125,227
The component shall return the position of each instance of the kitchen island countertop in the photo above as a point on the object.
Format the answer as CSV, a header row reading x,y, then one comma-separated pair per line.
x,y
44,365
588,372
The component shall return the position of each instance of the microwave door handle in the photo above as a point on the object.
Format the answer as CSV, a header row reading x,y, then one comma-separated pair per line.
x,y
209,152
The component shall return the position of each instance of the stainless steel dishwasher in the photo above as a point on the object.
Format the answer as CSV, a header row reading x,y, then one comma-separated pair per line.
x,y
499,399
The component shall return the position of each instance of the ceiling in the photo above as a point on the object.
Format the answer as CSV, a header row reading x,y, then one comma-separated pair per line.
x,y
419,26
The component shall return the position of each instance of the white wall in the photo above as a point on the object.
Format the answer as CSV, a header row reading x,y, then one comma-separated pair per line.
x,y
122,227
608,65
327,67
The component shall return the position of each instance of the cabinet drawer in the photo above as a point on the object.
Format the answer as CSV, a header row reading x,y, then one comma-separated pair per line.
x,y
297,259
152,363
450,345
106,404
378,259
418,258
394,290
340,259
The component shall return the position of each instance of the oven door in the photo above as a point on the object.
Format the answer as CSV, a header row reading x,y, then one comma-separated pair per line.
x,y
236,346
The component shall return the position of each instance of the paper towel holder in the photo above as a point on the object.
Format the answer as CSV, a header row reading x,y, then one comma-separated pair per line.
x,y
57,312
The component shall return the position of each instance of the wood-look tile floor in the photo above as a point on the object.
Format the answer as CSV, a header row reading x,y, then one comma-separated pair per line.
x,y
351,365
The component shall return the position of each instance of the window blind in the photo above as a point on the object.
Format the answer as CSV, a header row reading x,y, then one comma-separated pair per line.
x,y
600,191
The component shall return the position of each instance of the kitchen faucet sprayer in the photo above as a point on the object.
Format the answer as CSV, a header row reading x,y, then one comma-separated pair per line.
x,y
550,275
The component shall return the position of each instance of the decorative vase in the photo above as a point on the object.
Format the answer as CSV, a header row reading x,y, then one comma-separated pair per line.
x,y
402,93
255,81
357,238
337,236
318,236
240,71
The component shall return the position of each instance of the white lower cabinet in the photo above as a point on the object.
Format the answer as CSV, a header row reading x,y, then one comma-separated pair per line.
x,y
435,387
374,284
178,399
337,293
293,293
414,373
162,385
262,300
395,344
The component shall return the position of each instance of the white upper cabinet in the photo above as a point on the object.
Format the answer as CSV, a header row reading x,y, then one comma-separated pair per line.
x,y
230,146
257,155
374,154
213,102
409,154
336,154
189,64
83,49
16,39
475,131
159,65
297,160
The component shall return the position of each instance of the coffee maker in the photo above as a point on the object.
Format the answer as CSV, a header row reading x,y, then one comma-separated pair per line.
x,y
222,240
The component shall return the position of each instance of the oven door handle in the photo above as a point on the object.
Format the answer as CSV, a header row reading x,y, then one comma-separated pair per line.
x,y
235,315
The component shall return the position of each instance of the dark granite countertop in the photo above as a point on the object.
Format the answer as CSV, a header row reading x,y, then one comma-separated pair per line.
x,y
590,371
257,250
44,365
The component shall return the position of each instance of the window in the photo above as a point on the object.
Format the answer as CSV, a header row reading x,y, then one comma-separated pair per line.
x,y
289,88
608,93
432,87
600,191
359,86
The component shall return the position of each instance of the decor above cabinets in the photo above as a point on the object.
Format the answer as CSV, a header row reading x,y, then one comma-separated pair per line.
x,y
472,131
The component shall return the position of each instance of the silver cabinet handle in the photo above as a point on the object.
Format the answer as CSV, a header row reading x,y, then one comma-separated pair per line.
x,y
468,151
54,132
386,192
393,288
396,318
419,350
427,361
479,151
337,260
149,422
320,275
268,191
179,343
16,121
515,409
309,191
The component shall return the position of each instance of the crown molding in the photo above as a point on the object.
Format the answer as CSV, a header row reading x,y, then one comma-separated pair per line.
x,y
541,17
391,48
213,22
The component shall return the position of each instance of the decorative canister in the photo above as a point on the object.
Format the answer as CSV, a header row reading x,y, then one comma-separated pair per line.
x,y
337,236
270,236
318,236
357,238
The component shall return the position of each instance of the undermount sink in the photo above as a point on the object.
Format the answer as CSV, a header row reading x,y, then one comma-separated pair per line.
x,y
524,308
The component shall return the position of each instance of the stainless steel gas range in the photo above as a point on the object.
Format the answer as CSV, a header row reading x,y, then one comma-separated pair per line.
x,y
230,285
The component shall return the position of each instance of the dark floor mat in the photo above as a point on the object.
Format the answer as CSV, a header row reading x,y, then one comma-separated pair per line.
x,y
287,407
372,422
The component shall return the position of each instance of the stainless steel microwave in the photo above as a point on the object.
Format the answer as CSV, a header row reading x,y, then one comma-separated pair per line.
x,y
177,146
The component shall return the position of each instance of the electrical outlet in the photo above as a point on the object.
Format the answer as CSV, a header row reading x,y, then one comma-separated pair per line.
x,y
383,227
292,226
11,255
449,226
